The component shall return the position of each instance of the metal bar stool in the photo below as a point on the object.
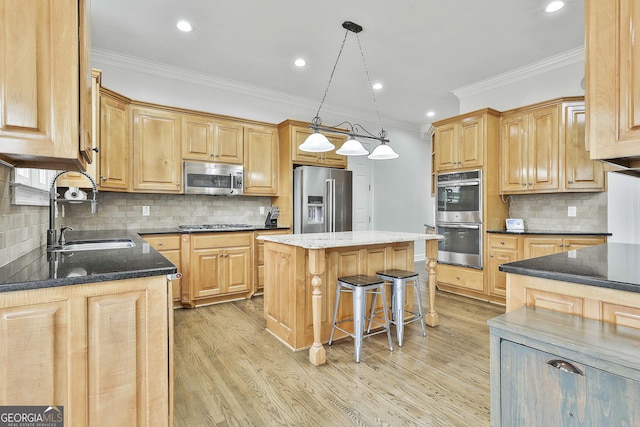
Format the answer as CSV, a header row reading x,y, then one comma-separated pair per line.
x,y
398,280
359,285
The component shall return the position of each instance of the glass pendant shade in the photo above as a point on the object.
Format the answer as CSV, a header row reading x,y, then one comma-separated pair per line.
x,y
352,147
316,143
383,152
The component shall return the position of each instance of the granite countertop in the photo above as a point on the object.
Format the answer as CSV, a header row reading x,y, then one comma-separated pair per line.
x,y
348,238
549,232
611,265
39,269
176,230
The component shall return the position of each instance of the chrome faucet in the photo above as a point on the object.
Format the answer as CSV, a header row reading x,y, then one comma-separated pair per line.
x,y
62,240
51,232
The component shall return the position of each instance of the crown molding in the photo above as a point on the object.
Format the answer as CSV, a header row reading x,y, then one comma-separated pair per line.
x,y
203,79
548,64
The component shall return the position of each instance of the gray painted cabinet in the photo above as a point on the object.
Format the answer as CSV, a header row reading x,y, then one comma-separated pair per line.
x,y
554,369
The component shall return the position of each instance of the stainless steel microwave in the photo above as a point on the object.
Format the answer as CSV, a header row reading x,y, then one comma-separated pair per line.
x,y
215,179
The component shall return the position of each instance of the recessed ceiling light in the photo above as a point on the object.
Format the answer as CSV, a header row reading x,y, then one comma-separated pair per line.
x,y
430,113
377,86
300,62
184,26
554,6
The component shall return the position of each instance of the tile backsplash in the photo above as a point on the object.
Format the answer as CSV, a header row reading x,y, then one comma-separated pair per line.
x,y
118,211
549,211
22,228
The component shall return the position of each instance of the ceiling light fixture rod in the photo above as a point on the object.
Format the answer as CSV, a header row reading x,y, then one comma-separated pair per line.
x,y
352,133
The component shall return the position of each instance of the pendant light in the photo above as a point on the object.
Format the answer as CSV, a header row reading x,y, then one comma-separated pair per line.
x,y
317,142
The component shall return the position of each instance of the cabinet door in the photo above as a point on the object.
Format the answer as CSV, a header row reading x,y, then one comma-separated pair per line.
x,y
237,268
228,142
260,161
540,246
471,146
513,146
535,393
502,249
446,141
156,151
580,172
613,81
43,70
197,138
570,243
543,149
113,167
331,158
206,273
169,246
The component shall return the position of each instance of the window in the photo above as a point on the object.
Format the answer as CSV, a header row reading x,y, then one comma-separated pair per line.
x,y
31,186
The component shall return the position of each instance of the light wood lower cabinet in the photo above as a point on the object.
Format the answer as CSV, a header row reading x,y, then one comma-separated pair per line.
x,y
536,246
169,246
259,259
220,267
502,249
101,350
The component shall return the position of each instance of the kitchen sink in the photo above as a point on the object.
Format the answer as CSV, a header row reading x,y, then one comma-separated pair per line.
x,y
93,245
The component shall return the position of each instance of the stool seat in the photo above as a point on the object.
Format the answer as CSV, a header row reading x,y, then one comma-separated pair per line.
x,y
359,286
394,273
361,280
399,279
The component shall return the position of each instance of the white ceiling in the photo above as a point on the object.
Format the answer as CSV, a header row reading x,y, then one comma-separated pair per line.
x,y
420,50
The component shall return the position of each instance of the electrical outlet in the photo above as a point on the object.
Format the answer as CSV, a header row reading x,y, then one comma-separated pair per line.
x,y
261,210
145,211
571,211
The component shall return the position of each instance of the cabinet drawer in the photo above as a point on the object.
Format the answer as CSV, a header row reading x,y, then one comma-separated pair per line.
x,y
217,240
621,315
460,276
556,302
163,242
501,241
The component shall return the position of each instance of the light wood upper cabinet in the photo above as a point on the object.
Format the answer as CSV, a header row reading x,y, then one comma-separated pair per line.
x,y
530,150
45,75
157,163
75,179
204,138
460,144
613,81
260,161
298,135
114,148
580,172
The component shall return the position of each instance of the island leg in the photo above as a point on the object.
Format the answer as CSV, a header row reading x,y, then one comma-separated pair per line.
x,y
317,354
431,262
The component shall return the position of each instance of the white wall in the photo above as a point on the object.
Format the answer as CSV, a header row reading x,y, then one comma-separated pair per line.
x,y
400,186
624,208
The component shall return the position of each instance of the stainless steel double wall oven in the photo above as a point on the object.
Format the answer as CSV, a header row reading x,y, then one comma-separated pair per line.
x,y
459,218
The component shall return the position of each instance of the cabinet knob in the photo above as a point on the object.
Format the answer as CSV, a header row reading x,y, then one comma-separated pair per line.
x,y
490,255
96,149
104,178
457,277
502,242
567,245
159,243
177,184
560,245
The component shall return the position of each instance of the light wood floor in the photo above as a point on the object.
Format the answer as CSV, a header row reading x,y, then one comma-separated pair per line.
x,y
231,372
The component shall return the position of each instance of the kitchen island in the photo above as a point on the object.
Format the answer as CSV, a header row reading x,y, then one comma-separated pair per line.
x,y
599,282
300,268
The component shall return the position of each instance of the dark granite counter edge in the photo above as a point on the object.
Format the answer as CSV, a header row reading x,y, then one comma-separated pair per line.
x,y
84,280
176,230
550,233
566,277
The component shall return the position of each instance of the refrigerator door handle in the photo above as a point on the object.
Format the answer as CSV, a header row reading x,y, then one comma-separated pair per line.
x,y
330,213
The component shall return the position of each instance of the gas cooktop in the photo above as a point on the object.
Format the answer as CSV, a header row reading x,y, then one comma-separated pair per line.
x,y
215,227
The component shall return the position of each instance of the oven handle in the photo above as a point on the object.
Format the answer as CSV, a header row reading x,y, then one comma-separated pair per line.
x,y
458,184
472,227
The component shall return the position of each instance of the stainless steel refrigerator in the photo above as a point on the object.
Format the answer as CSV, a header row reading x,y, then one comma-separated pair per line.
x,y
322,199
